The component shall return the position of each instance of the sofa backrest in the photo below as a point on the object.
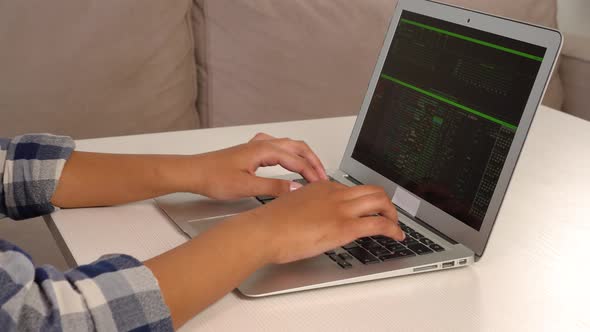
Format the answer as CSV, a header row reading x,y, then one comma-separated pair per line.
x,y
96,68
298,59
90,69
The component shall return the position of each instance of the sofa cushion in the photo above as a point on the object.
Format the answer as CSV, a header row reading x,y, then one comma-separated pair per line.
x,y
290,59
276,60
96,68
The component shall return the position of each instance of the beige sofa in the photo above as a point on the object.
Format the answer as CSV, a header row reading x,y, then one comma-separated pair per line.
x,y
103,68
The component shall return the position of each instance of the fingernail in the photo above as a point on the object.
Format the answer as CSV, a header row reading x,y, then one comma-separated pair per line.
x,y
294,186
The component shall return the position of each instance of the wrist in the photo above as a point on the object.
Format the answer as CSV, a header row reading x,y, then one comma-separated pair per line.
x,y
254,229
179,173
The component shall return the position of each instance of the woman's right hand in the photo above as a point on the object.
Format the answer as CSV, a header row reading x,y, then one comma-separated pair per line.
x,y
320,217
297,225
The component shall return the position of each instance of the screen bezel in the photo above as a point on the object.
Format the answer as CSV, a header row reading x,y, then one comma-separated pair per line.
x,y
428,213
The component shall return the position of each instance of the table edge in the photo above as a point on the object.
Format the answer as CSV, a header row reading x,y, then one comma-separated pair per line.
x,y
61,243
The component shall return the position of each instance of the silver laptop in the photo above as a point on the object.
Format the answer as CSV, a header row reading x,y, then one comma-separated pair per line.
x,y
441,127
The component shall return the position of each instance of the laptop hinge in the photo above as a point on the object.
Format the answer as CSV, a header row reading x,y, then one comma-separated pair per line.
x,y
425,225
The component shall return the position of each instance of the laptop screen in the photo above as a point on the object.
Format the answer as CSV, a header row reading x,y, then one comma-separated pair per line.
x,y
445,111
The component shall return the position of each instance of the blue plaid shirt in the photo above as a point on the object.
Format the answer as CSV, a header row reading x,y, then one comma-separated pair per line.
x,y
113,293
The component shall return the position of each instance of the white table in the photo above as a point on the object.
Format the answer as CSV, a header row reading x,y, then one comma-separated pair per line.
x,y
534,275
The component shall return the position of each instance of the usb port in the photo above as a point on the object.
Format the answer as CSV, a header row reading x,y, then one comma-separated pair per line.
x,y
463,261
448,264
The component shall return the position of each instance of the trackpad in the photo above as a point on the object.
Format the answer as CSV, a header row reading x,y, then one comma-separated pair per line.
x,y
199,226
202,212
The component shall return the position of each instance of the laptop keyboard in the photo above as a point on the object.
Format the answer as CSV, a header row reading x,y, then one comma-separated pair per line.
x,y
376,249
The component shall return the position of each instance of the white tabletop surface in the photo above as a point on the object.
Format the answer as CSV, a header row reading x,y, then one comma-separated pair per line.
x,y
533,277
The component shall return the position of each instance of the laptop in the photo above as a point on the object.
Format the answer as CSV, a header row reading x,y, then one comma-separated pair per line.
x,y
443,122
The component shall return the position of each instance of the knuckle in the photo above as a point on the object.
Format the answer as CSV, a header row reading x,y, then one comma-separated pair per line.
x,y
259,135
302,144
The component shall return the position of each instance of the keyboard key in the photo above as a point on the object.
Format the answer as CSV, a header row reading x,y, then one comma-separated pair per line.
x,y
436,247
345,256
394,247
416,235
370,245
350,245
330,252
426,241
388,257
363,240
397,254
420,249
406,229
378,251
301,181
332,179
265,199
345,265
408,241
304,181
335,258
386,241
403,253
362,255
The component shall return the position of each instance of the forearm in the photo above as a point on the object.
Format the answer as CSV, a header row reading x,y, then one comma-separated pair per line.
x,y
95,179
198,273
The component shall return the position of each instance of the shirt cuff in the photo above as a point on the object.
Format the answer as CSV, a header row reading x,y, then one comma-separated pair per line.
x,y
32,170
122,294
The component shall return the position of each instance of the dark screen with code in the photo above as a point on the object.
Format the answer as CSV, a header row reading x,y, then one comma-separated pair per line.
x,y
445,112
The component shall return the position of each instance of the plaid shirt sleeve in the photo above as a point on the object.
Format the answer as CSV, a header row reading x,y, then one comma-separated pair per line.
x,y
114,293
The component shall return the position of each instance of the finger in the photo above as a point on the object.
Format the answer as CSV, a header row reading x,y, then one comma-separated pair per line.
x,y
258,186
261,137
292,162
376,203
373,204
302,149
360,191
376,225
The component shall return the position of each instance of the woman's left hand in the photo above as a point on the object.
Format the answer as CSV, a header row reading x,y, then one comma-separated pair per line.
x,y
231,173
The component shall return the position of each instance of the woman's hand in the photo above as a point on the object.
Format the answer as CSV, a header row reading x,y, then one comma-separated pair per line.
x,y
231,173
320,217
98,179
